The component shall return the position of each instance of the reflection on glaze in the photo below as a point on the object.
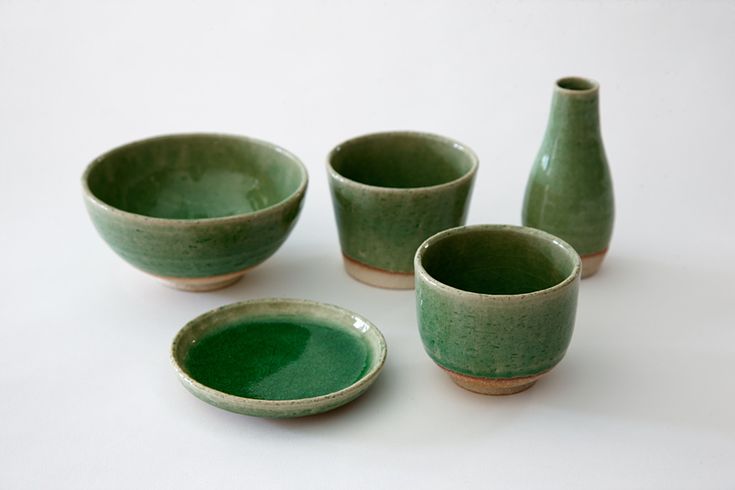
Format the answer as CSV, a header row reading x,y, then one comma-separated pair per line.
x,y
196,193
360,324
279,359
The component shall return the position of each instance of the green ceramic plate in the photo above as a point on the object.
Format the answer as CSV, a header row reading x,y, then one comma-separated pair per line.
x,y
278,357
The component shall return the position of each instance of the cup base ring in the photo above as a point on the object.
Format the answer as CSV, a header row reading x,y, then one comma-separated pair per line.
x,y
493,386
378,277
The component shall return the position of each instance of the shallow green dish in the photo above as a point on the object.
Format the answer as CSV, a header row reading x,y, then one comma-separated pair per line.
x,y
195,210
278,357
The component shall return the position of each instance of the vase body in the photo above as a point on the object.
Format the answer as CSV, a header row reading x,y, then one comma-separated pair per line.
x,y
569,192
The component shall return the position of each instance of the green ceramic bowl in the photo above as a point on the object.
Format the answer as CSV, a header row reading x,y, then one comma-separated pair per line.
x,y
195,210
496,304
278,357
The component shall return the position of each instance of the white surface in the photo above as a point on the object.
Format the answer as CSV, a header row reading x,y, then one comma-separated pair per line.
x,y
645,397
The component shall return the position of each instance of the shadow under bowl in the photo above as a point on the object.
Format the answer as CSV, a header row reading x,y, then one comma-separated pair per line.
x,y
195,210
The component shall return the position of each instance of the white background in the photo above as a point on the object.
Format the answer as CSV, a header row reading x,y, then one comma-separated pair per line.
x,y
645,397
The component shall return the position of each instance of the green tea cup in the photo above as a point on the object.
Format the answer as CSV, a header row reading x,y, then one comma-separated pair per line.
x,y
195,210
390,192
496,304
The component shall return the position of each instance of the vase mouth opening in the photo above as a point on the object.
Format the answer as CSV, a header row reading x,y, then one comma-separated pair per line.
x,y
577,84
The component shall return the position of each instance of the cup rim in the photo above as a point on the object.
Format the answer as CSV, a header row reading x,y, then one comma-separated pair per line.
x,y
469,175
424,274
108,208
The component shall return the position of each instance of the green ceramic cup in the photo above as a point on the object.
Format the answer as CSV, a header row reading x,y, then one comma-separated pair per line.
x,y
496,304
195,210
391,191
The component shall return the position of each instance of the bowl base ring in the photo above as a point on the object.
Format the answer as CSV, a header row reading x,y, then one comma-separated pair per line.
x,y
493,386
378,277
199,284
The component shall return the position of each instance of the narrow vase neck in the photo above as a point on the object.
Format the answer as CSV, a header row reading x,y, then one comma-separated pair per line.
x,y
575,108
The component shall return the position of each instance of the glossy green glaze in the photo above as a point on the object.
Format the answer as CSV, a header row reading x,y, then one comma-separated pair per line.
x,y
262,359
569,192
196,205
496,301
278,357
391,191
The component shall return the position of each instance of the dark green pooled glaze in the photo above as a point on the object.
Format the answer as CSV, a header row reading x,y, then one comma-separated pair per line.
x,y
569,191
278,359
496,301
391,191
195,205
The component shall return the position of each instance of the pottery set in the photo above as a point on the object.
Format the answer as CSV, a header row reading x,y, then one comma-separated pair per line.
x,y
495,303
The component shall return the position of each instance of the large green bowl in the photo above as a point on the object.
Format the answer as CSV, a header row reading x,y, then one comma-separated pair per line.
x,y
195,210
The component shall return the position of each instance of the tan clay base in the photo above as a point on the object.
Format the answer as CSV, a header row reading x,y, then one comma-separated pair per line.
x,y
485,386
591,263
376,277
199,284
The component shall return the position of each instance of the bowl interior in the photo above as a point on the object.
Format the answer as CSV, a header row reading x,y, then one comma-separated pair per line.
x,y
401,160
194,176
265,351
498,261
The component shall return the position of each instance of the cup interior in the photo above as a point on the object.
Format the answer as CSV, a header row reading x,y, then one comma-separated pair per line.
x,y
402,160
194,176
499,261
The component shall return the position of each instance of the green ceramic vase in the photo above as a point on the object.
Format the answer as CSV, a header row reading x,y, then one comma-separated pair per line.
x,y
570,193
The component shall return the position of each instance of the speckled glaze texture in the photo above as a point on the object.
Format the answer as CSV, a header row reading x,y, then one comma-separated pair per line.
x,y
211,239
569,191
402,188
334,317
496,304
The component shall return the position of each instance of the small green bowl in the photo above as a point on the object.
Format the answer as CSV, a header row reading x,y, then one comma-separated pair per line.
x,y
496,304
278,357
195,210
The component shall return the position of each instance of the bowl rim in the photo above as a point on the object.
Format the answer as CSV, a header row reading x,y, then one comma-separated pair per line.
x,y
423,274
108,208
270,405
467,176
